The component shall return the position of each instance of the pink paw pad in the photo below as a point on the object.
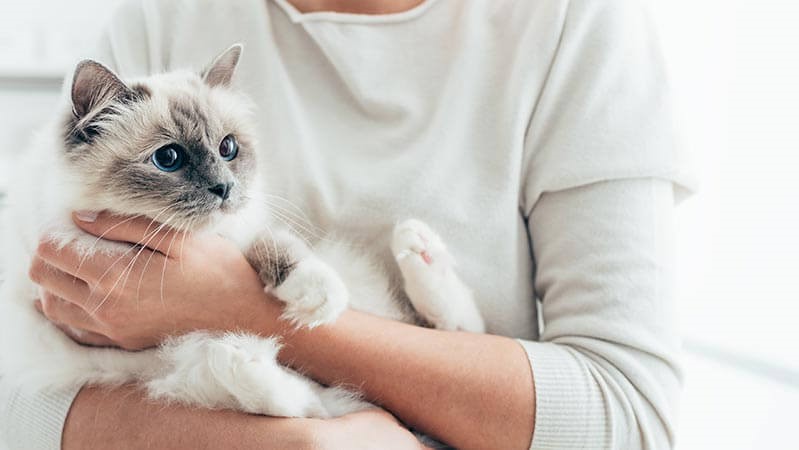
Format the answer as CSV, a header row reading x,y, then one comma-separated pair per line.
x,y
427,257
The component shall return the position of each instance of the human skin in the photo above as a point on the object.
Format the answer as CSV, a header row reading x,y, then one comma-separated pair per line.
x,y
469,390
106,418
122,418
356,6
472,391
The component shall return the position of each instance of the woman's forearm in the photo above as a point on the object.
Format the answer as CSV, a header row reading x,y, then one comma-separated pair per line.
x,y
468,390
472,391
122,418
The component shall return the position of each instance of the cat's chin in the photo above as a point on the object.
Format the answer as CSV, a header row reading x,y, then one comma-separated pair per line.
x,y
207,223
212,222
209,219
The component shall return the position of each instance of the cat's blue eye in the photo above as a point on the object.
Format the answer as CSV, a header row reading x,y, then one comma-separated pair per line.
x,y
169,158
228,148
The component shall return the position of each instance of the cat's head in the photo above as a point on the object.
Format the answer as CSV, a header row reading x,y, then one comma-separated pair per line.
x,y
174,147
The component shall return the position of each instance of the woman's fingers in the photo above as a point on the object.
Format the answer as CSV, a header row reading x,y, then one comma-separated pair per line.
x,y
89,338
50,255
135,230
61,313
374,425
52,278
101,271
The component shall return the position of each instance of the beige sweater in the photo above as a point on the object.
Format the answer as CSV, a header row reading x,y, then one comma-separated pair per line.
x,y
535,135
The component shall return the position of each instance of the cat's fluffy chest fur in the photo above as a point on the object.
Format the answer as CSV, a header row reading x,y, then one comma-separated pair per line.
x,y
103,160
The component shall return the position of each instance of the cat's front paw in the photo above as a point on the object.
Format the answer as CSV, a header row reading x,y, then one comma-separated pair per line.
x,y
313,293
431,283
415,242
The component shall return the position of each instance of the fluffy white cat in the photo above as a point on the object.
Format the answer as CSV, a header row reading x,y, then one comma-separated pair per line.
x,y
126,147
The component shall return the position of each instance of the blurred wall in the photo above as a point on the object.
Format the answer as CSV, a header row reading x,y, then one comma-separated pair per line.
x,y
39,42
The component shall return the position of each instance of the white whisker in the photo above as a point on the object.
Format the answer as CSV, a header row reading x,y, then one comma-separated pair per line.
x,y
127,267
163,271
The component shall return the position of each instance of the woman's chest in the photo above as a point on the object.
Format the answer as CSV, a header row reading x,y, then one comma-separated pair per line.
x,y
331,178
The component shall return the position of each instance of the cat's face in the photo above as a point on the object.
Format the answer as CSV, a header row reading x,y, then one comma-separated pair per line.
x,y
174,147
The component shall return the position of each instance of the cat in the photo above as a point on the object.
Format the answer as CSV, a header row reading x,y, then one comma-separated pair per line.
x,y
177,147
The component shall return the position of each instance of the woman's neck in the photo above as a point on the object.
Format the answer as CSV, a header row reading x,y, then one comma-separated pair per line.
x,y
356,6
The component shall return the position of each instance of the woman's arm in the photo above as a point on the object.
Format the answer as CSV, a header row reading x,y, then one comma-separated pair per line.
x,y
605,370
468,390
471,391
605,378
122,418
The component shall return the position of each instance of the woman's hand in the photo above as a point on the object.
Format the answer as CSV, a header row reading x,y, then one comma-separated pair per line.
x,y
167,283
373,428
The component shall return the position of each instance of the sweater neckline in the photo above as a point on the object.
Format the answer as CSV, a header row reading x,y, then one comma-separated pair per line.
x,y
331,16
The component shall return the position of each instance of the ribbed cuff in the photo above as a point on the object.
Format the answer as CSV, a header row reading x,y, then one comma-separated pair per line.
x,y
570,411
33,420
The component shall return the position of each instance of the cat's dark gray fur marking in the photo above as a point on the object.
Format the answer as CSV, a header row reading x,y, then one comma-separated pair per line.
x,y
79,131
274,256
141,90
189,117
114,128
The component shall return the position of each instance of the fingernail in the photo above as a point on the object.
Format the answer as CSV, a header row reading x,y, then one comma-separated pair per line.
x,y
86,216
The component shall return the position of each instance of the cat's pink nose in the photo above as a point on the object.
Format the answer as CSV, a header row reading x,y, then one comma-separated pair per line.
x,y
221,190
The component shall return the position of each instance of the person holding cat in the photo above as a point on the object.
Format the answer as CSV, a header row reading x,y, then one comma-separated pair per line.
x,y
536,137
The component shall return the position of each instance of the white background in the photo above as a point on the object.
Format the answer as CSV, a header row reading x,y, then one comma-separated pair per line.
x,y
735,66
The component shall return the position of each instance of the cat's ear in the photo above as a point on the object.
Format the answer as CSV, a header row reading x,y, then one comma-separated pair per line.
x,y
94,85
221,71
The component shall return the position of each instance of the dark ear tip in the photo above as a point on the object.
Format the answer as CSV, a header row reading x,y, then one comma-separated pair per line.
x,y
236,50
92,83
86,63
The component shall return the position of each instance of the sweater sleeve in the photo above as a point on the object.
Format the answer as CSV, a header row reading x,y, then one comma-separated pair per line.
x,y
604,111
605,367
601,171
32,420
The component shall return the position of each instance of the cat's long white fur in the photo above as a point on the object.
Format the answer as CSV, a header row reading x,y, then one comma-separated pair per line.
x,y
237,371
